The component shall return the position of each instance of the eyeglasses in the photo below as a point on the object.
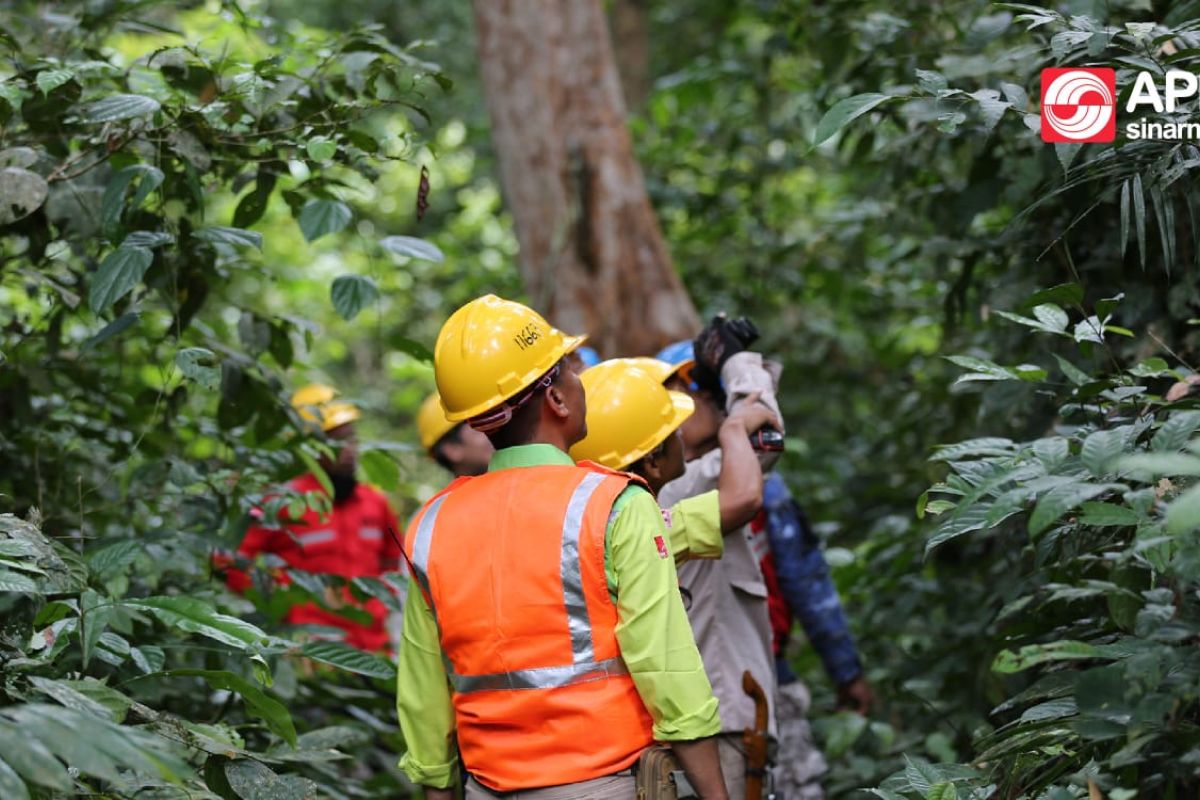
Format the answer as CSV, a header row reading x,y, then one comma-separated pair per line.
x,y
501,415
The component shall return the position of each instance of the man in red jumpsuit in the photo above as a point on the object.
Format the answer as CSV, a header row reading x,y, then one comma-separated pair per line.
x,y
350,541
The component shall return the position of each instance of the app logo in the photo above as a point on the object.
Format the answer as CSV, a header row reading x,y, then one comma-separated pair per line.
x,y
1079,105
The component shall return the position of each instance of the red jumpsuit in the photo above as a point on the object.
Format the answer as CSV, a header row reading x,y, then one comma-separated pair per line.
x,y
351,542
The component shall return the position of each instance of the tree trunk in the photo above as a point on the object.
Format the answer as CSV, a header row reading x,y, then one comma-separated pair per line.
x,y
592,254
630,24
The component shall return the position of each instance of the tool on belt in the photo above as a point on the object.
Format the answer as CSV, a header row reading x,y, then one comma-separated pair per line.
x,y
659,776
755,739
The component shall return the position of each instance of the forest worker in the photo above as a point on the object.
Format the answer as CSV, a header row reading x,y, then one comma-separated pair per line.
x,y
551,640
633,425
728,611
456,446
349,541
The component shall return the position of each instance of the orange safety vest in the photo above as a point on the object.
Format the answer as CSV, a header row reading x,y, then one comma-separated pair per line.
x,y
512,566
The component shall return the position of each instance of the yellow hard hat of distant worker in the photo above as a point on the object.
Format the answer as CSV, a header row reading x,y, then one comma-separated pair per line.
x,y
629,411
315,403
432,424
491,349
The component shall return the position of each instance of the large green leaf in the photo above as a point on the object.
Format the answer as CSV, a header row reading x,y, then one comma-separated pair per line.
x,y
351,294
1061,499
1176,431
234,237
192,615
844,112
270,710
199,364
414,248
349,658
251,780
381,469
1183,514
11,785
319,217
1032,655
119,272
1100,449
32,759
23,193
120,106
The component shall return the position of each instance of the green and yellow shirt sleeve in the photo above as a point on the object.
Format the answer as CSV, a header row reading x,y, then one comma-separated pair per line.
x,y
694,528
652,626
423,698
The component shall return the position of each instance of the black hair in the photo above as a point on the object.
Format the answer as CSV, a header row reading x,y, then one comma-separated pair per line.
x,y
639,467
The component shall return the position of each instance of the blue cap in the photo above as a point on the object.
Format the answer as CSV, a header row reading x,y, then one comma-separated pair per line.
x,y
589,356
677,353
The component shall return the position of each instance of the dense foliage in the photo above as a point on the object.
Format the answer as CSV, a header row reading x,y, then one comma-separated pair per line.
x,y
149,158
209,210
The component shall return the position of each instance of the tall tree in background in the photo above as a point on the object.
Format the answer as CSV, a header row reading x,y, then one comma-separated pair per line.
x,y
592,253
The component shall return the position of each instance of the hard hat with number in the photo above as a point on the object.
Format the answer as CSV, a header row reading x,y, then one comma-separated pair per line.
x,y
491,349
315,403
629,411
432,424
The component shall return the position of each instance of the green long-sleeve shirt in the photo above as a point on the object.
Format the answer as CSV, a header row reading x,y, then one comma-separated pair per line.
x,y
652,630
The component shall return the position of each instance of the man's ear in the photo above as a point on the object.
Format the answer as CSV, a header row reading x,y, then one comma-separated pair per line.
x,y
557,402
651,467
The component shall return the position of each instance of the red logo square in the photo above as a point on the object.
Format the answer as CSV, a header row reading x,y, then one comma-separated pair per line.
x,y
1079,104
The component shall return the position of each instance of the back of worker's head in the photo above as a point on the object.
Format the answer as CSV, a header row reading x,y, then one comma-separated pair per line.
x,y
633,420
455,446
501,368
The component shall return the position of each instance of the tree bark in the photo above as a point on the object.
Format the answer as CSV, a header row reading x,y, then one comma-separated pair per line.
x,y
592,253
630,25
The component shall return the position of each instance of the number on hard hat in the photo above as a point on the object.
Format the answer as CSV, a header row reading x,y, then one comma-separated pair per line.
x,y
316,404
491,349
629,411
432,424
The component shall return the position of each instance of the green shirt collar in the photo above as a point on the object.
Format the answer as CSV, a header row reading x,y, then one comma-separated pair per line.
x,y
529,455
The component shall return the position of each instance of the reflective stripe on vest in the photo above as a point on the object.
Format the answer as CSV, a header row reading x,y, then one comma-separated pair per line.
x,y
584,667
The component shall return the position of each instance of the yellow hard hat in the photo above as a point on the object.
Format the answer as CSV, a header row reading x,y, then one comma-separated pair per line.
x,y
491,349
316,404
629,412
432,424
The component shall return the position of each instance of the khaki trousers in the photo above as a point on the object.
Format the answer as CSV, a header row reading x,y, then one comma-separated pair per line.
x,y
610,787
733,764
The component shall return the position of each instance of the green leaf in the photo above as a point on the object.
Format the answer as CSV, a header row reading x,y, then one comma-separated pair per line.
x,y
1090,330
15,583
1170,464
413,349
1051,316
119,272
1061,499
195,616
120,106
1175,432
921,775
844,112
266,708
148,239
1108,515
199,364
321,148
1073,373
1008,662
984,370
351,294
50,79
317,471
1183,514
32,759
931,81
942,791
1151,368
319,217
1139,217
234,237
112,204
1100,449
351,659
251,780
381,469
414,248
11,785
1124,217
251,207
